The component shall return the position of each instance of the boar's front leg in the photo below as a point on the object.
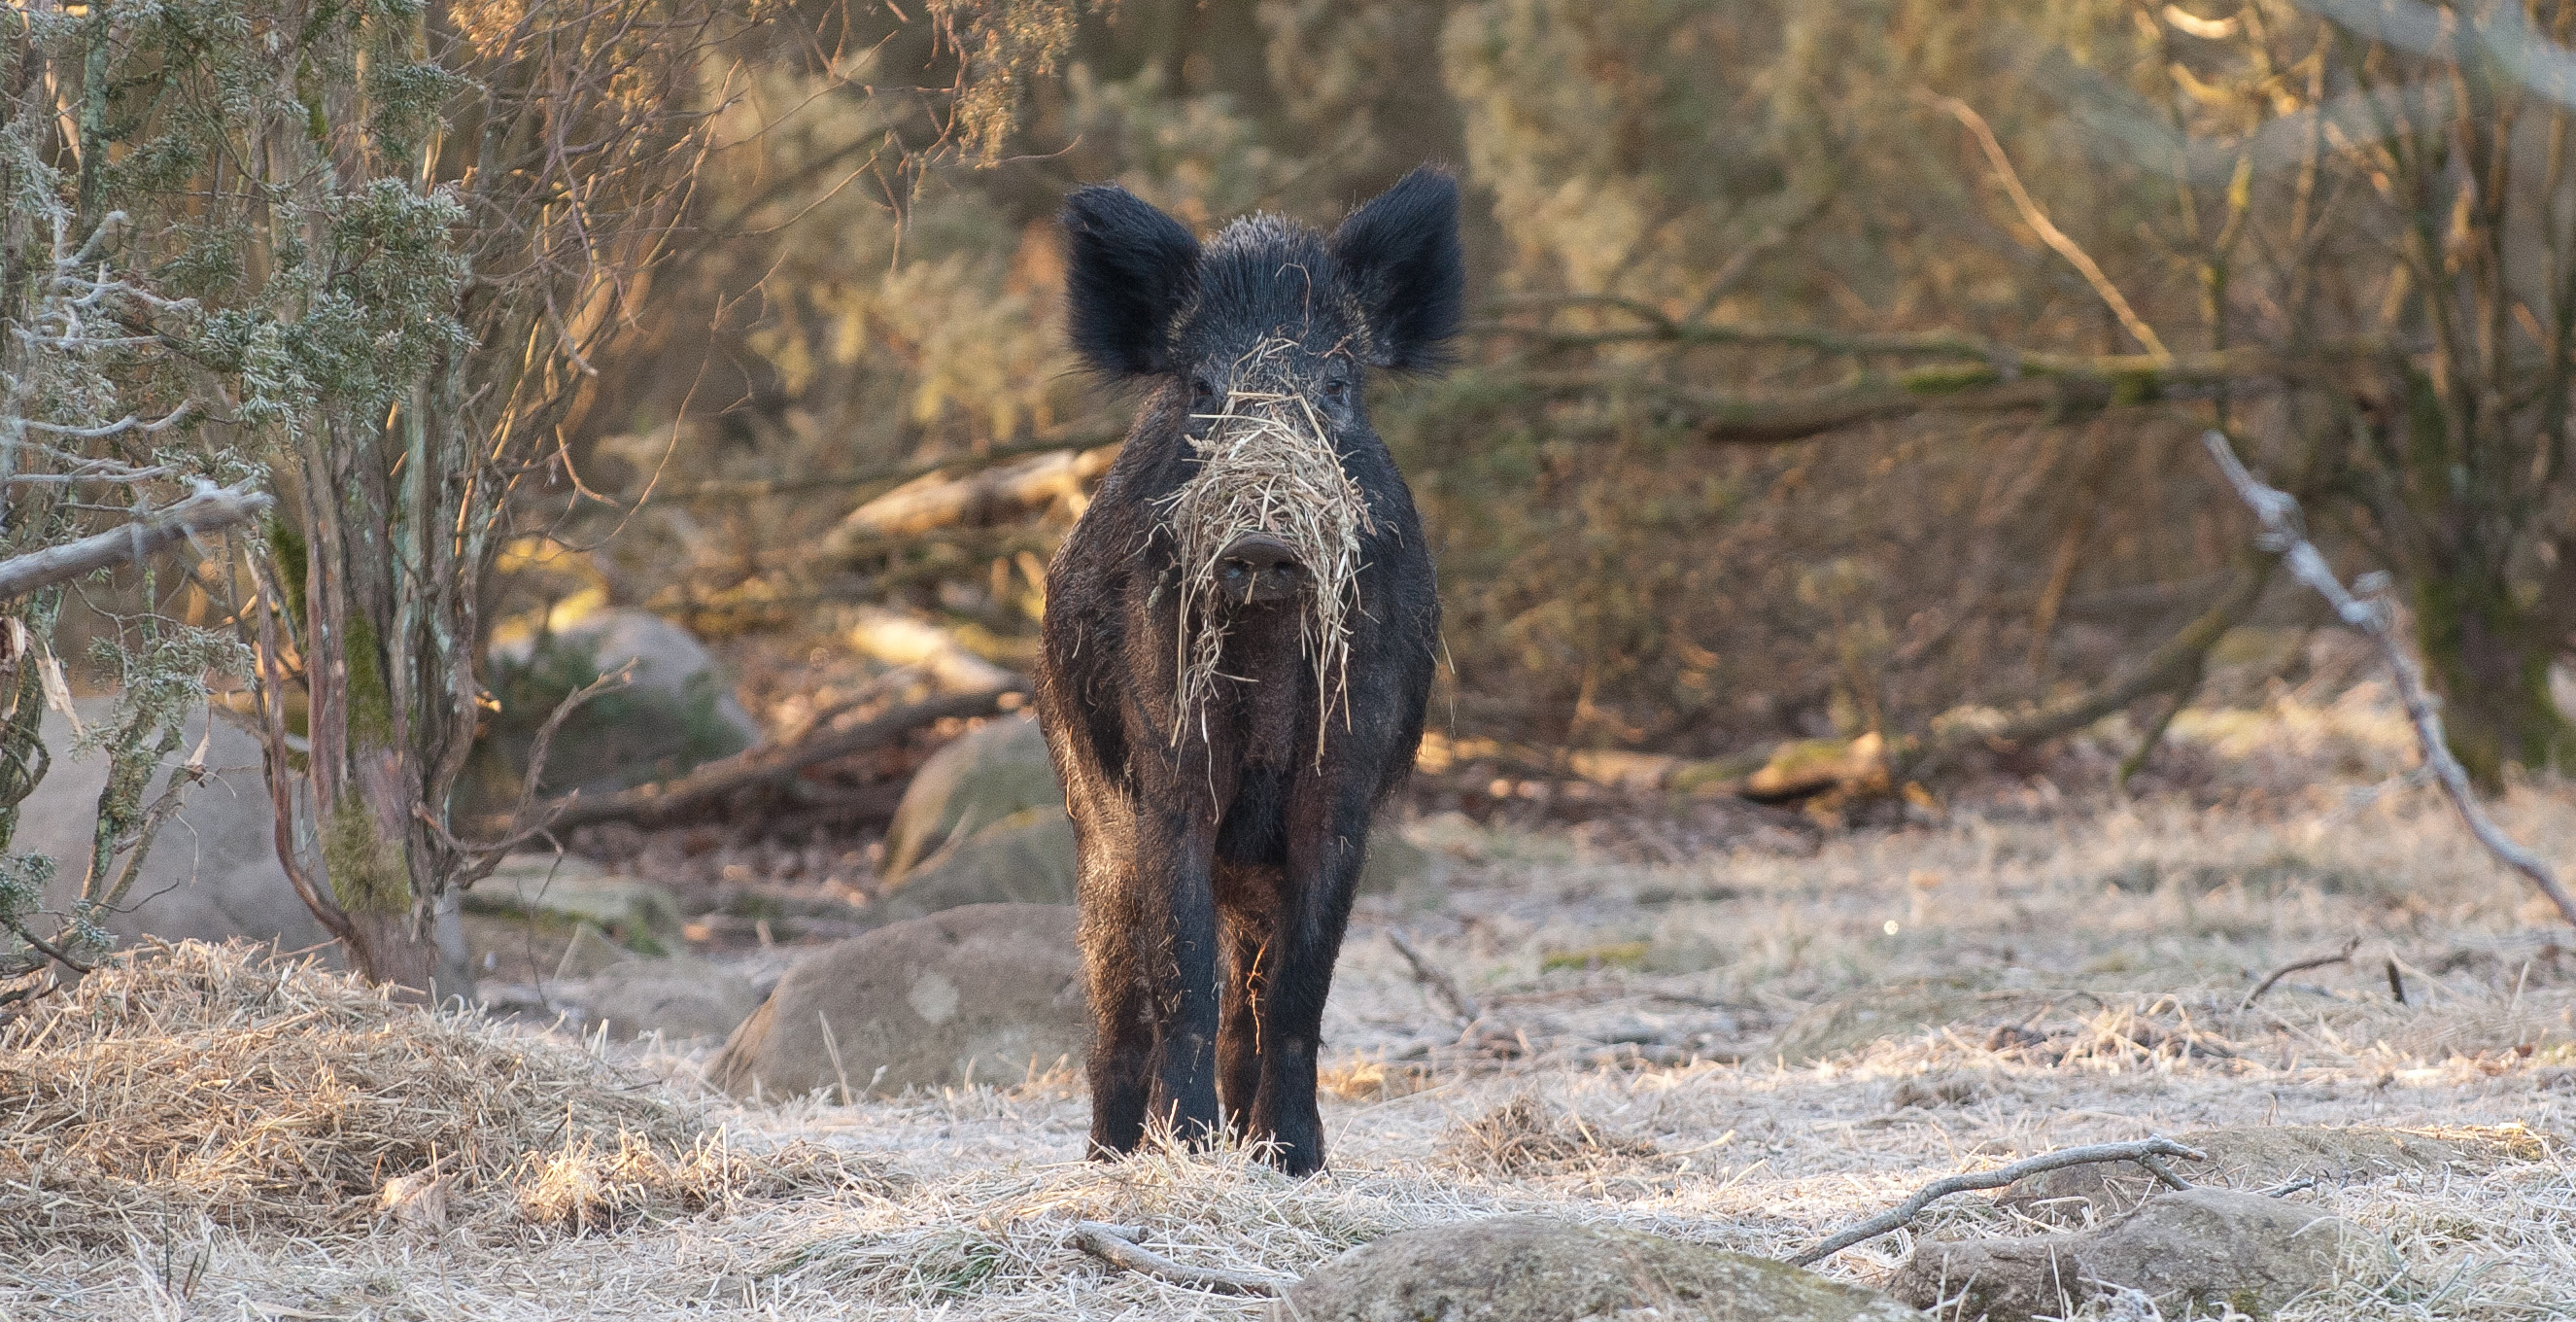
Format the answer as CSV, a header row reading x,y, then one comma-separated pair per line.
x,y
1149,950
1327,835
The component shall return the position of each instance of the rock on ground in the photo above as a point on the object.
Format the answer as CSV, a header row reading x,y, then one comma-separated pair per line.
x,y
681,997
984,991
545,889
1530,1269
2196,1247
995,771
1025,858
212,872
2254,1158
679,710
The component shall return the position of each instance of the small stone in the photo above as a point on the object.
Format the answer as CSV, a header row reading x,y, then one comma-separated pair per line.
x,y
1530,1269
590,952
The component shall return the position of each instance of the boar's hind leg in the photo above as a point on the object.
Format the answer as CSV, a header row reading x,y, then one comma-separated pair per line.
x,y
1321,876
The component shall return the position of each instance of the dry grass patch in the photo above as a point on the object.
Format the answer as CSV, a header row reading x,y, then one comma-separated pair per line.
x,y
197,1081
1525,1136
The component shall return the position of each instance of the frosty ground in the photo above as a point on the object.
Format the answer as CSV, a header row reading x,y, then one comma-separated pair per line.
x,y
1750,1045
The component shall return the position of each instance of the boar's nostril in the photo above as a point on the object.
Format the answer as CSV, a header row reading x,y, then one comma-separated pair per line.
x,y
1259,554
1258,568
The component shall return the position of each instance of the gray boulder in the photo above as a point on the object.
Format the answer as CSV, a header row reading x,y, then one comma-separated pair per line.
x,y
981,992
212,873
995,772
2197,1248
1529,1269
680,710
1025,858
548,891
680,997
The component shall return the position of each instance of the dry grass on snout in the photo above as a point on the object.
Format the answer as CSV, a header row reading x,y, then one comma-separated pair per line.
x,y
204,1082
1267,465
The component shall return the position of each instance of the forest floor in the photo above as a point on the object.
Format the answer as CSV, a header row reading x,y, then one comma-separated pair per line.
x,y
1749,1043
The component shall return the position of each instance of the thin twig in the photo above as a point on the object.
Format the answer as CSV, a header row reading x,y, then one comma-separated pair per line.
x,y
2284,535
1116,1245
2047,230
2144,1151
2300,966
1431,976
44,947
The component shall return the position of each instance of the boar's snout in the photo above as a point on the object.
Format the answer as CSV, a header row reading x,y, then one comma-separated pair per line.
x,y
1258,568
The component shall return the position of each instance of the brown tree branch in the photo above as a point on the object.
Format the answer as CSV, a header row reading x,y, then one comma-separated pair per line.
x,y
771,766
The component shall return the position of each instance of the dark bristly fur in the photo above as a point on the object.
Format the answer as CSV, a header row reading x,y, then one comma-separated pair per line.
x,y
1217,867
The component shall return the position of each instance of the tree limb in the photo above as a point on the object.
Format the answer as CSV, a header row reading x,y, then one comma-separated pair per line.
x,y
1430,975
2299,966
957,465
211,508
649,804
2144,1151
1116,1245
2177,662
2368,612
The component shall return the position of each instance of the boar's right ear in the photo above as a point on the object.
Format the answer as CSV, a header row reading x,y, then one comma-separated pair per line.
x,y
1129,269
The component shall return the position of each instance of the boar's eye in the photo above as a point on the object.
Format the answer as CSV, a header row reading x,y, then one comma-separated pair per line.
x,y
1202,393
1337,384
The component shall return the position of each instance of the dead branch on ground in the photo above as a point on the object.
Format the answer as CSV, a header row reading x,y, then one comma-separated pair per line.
x,y
774,765
2147,1152
1116,1245
1432,976
2299,966
953,466
2284,534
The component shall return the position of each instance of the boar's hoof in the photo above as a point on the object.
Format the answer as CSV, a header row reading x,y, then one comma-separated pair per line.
x,y
1258,568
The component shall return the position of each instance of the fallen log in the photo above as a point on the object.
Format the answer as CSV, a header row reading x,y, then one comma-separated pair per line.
x,y
767,767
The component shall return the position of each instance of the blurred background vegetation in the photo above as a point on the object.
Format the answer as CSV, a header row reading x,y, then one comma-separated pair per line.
x,y
1660,525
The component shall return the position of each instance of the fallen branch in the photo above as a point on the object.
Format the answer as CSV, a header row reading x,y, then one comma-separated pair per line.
x,y
1430,975
776,765
2341,956
2146,1152
2368,612
211,508
2176,664
889,474
1116,1245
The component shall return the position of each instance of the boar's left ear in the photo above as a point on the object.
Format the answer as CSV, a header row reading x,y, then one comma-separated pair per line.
x,y
1128,270
1398,254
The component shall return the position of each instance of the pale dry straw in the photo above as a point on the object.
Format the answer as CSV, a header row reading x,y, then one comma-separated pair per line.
x,y
196,1081
1267,465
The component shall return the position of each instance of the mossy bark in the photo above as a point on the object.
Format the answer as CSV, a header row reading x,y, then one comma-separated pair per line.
x,y
2488,654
